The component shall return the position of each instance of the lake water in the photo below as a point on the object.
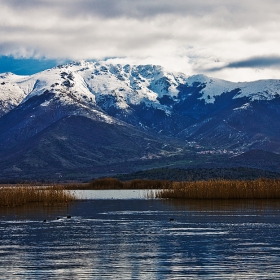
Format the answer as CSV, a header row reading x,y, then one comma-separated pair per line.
x,y
111,194
139,238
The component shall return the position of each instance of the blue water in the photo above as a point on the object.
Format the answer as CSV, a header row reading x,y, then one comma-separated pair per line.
x,y
142,239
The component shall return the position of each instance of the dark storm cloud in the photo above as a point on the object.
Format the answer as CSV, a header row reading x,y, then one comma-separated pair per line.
x,y
257,62
253,62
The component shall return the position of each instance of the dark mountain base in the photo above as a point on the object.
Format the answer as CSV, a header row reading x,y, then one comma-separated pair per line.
x,y
178,174
188,166
77,148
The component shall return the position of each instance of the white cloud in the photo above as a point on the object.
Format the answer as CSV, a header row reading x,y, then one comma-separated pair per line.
x,y
188,36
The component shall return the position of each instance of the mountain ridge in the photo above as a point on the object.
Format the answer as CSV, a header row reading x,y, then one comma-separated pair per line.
x,y
192,116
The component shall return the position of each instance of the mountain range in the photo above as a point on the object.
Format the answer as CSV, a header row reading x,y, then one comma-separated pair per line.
x,y
87,119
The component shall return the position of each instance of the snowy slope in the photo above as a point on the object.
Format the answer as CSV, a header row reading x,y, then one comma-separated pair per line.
x,y
11,93
257,90
90,82
98,84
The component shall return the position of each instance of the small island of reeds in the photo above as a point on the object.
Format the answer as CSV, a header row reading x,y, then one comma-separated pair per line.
x,y
13,196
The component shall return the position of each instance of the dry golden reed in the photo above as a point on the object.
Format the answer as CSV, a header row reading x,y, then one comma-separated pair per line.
x,y
22,195
223,189
113,183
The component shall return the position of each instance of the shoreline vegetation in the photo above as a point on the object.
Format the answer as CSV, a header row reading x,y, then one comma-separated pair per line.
x,y
19,195
208,189
223,189
14,196
116,184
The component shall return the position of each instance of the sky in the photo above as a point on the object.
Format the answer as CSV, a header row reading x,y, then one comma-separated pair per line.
x,y
235,40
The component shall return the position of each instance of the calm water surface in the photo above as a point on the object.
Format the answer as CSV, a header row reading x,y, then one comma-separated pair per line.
x,y
142,239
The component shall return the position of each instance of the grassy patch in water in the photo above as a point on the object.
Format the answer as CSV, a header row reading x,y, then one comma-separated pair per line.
x,y
222,189
13,196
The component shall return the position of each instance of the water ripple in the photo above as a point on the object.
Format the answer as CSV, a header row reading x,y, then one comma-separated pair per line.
x,y
142,239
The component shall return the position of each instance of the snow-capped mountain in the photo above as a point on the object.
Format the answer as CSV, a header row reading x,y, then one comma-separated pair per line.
x,y
58,111
125,85
93,83
11,94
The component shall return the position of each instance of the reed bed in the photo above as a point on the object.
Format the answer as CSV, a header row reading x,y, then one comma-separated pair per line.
x,y
222,189
113,183
22,195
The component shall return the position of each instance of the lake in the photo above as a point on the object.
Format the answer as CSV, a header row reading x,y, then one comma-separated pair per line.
x,y
138,238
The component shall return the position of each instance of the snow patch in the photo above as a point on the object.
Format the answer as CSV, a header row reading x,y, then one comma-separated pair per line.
x,y
246,106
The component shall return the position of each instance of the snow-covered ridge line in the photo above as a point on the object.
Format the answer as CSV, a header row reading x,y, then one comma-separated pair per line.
x,y
122,86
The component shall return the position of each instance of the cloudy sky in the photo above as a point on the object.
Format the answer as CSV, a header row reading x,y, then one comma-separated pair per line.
x,y
235,40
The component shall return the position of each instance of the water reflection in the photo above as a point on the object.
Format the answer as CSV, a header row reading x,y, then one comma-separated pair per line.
x,y
143,239
35,212
224,205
